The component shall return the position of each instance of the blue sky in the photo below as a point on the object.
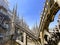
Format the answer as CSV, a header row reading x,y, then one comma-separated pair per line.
x,y
52,24
31,11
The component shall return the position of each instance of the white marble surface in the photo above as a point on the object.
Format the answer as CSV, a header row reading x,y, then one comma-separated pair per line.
x,y
59,43
58,1
4,4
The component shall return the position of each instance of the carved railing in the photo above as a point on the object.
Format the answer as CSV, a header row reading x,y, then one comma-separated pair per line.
x,y
49,12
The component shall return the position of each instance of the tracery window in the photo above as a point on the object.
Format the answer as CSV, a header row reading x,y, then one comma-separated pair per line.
x,y
19,34
6,25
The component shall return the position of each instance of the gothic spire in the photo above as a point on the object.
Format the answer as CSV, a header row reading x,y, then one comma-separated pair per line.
x,y
15,10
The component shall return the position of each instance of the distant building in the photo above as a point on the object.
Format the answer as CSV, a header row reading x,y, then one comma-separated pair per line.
x,y
35,30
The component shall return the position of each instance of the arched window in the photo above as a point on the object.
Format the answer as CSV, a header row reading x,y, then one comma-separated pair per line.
x,y
6,25
19,34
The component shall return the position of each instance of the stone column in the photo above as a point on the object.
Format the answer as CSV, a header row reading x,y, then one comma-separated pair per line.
x,y
24,38
42,40
42,37
12,25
